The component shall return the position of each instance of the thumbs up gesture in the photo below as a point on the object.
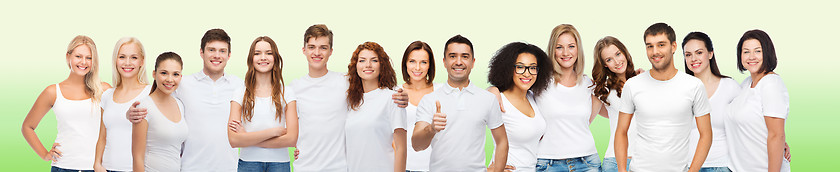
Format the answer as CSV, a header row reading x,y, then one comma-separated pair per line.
x,y
439,120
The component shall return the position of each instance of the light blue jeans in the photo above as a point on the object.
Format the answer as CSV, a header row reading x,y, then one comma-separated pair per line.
x,y
715,169
611,165
589,163
252,166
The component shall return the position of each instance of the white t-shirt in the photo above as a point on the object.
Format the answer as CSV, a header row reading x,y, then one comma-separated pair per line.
x,y
117,155
567,111
460,147
370,132
746,129
718,155
415,160
77,124
322,112
612,111
164,138
263,117
206,110
523,133
663,113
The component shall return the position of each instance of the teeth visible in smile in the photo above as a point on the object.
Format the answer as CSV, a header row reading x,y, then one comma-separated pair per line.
x,y
417,73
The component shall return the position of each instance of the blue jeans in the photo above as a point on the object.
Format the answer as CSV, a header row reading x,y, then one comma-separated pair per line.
x,y
589,163
715,169
611,165
56,169
253,166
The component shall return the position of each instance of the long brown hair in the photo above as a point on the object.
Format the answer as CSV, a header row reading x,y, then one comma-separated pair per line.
x,y
605,79
277,89
387,77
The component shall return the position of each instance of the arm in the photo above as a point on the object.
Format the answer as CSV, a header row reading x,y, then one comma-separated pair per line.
x,y
243,138
603,112
100,146
290,138
596,108
42,105
399,150
621,139
422,136
704,125
775,142
138,144
495,91
500,137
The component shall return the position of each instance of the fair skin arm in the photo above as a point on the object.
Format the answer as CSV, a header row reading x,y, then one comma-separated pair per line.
x,y
500,137
100,147
290,138
242,138
425,132
704,126
775,142
495,91
36,113
621,139
596,109
399,150
138,144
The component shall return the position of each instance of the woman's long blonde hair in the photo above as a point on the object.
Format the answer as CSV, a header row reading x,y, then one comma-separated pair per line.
x,y
93,86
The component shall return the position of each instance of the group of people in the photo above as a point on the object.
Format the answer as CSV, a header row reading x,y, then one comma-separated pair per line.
x,y
538,109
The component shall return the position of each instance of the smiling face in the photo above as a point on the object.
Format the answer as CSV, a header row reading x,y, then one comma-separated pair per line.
x,y
565,52
752,56
215,55
697,56
80,60
614,59
129,61
317,51
367,66
660,51
263,57
168,76
525,71
418,66
458,62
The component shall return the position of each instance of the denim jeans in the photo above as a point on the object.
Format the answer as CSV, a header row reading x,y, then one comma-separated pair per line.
x,y
611,165
715,169
56,169
589,163
252,166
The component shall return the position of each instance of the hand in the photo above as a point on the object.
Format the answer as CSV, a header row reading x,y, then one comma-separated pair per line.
x,y
787,152
495,90
52,155
297,152
639,71
97,167
134,114
236,127
508,168
439,120
400,98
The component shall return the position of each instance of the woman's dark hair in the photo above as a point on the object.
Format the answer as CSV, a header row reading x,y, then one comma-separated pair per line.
x,y
419,45
502,67
387,76
768,63
700,36
163,57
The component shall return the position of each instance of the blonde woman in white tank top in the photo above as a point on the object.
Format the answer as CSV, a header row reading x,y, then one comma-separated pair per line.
x,y
75,104
113,149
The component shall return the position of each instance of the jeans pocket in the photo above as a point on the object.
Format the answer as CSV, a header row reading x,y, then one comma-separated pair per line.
x,y
593,161
542,164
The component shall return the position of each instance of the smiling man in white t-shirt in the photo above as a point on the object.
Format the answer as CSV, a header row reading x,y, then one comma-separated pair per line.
x,y
452,119
663,102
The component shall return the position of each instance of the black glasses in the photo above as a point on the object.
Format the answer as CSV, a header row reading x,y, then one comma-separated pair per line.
x,y
520,69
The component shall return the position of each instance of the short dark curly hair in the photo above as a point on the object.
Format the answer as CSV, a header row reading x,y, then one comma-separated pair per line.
x,y
502,66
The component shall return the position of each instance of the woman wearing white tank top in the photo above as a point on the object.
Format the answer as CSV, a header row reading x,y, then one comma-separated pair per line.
x,y
74,102
156,140
113,149
518,70
263,116
418,69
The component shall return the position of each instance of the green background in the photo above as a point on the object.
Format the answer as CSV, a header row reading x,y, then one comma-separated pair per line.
x,y
35,35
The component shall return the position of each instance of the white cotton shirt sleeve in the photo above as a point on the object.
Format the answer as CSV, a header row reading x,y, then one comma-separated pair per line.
x,y
626,104
238,95
494,115
775,101
398,120
701,101
426,108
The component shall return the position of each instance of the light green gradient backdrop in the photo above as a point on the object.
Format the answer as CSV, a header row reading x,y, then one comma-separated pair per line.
x,y
36,33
